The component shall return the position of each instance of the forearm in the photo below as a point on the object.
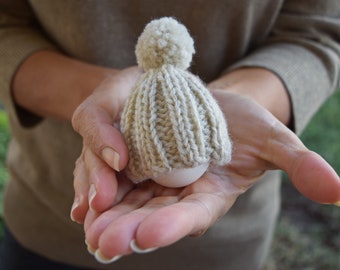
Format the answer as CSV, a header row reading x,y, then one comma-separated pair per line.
x,y
260,85
50,84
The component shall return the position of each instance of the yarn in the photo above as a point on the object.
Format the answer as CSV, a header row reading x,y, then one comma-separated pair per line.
x,y
164,41
171,122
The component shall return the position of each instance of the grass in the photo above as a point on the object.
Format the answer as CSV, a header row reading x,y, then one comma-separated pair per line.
x,y
4,139
307,235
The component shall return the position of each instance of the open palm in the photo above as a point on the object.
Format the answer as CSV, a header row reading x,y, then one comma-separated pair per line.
x,y
151,216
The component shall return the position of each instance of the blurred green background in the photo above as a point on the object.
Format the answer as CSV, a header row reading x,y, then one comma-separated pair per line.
x,y
4,138
308,234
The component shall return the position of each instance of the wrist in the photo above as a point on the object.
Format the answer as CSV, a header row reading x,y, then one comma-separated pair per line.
x,y
262,86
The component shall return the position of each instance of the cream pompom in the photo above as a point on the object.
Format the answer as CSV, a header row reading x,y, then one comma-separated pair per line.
x,y
164,42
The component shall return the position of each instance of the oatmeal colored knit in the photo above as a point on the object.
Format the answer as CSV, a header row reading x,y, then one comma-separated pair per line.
x,y
171,121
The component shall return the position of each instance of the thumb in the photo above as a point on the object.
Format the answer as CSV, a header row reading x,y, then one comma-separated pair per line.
x,y
95,118
307,170
96,125
315,178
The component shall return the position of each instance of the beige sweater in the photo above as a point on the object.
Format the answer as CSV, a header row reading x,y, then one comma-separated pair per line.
x,y
298,40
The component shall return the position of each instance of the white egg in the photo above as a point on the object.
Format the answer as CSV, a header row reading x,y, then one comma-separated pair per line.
x,y
181,177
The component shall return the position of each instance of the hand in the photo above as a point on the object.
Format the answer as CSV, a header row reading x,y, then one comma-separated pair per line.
x,y
264,142
104,150
150,216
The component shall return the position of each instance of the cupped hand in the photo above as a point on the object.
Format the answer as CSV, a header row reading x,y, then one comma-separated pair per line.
x,y
262,142
150,216
104,151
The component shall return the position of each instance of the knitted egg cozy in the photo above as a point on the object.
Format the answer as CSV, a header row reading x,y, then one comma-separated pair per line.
x,y
170,120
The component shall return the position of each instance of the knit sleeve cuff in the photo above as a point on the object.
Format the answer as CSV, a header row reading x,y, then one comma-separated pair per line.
x,y
15,46
310,76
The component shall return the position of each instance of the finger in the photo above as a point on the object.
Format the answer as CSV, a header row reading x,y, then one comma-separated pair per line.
x,y
81,188
193,214
308,171
97,223
97,128
315,178
90,218
117,237
102,182
168,225
125,185
94,119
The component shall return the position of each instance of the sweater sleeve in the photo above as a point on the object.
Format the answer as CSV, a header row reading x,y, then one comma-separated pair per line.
x,y
303,49
19,37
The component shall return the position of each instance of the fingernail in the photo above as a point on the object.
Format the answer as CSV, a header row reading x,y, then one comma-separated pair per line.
x,y
90,249
137,249
337,203
75,205
199,233
92,194
104,260
111,157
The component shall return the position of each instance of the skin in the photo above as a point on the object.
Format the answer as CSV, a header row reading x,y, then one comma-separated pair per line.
x,y
111,207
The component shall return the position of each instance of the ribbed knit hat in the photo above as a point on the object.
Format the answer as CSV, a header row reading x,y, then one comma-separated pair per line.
x,y
171,121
